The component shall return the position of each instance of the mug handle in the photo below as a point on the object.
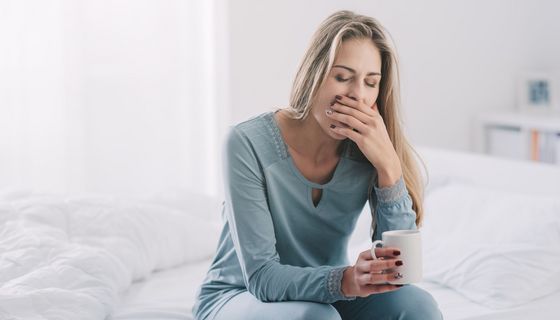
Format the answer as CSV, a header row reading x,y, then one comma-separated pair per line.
x,y
373,246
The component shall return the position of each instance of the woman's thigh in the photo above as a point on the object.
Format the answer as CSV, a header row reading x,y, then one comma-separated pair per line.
x,y
245,306
406,303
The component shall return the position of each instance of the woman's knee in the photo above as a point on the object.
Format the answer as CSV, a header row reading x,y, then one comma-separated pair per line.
x,y
245,306
418,304
313,310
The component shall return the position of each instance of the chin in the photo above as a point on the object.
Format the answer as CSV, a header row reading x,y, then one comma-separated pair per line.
x,y
337,136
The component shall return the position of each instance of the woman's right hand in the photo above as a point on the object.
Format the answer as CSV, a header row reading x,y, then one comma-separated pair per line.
x,y
369,276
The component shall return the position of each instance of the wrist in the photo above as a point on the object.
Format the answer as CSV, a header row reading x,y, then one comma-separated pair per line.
x,y
346,283
388,176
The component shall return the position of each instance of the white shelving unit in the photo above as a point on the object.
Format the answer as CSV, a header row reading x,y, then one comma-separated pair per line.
x,y
520,136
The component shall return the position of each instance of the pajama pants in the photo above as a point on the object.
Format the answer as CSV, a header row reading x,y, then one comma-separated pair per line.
x,y
406,303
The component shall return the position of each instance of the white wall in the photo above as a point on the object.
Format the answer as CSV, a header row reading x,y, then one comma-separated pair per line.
x,y
458,58
110,96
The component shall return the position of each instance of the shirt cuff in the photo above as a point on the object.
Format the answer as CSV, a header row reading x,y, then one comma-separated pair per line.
x,y
391,194
334,284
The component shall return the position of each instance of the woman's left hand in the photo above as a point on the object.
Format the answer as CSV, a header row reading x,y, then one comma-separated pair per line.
x,y
367,129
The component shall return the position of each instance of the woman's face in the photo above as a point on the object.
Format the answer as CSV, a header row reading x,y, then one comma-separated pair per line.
x,y
356,73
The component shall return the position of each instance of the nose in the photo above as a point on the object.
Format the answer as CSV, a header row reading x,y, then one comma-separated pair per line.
x,y
357,92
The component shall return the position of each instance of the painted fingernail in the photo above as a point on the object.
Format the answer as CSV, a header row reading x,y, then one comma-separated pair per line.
x,y
329,112
399,263
396,252
399,285
333,126
338,97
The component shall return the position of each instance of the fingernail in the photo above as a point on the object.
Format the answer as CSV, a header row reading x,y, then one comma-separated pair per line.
x,y
332,103
338,97
329,112
399,263
396,252
399,285
333,126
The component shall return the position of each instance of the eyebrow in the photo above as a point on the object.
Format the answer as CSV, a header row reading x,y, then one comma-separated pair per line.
x,y
354,71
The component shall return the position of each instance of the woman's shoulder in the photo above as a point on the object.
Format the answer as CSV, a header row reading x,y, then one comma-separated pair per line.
x,y
255,127
254,123
257,133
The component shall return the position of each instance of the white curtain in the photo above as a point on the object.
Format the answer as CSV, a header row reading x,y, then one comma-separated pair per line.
x,y
121,97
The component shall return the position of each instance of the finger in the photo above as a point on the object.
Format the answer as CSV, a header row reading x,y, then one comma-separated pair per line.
x,y
381,265
363,266
353,103
378,265
388,252
349,133
361,113
377,278
365,255
380,288
350,119
338,111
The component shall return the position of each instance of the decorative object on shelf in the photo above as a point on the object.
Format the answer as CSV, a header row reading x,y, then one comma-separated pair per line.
x,y
537,92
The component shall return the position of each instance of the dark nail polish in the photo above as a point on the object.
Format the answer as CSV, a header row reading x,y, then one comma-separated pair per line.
x,y
338,97
399,285
396,252
333,126
399,263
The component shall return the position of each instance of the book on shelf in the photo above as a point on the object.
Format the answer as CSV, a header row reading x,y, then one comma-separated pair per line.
x,y
545,146
557,147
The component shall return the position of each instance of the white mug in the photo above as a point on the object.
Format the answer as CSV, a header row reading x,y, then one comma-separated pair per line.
x,y
409,242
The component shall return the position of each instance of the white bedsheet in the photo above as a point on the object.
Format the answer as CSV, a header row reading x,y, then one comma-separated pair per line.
x,y
72,257
456,307
165,295
170,294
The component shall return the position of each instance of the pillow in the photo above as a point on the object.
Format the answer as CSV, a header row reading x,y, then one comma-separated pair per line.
x,y
144,235
497,248
202,205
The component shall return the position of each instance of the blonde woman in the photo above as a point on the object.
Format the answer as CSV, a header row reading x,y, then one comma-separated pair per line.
x,y
296,180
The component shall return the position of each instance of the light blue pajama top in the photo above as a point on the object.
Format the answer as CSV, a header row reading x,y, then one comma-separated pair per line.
x,y
275,243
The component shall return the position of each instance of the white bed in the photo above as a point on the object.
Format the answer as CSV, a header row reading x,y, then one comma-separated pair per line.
x,y
162,283
169,294
174,290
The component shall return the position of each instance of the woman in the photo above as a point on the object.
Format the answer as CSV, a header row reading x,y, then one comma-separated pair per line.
x,y
297,179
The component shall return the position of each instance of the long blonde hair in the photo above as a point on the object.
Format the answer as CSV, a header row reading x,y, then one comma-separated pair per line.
x,y
313,70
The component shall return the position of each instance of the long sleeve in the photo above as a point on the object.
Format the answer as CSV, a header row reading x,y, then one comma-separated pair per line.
x,y
393,208
253,234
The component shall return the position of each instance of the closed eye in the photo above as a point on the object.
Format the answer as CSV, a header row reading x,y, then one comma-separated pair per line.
x,y
341,79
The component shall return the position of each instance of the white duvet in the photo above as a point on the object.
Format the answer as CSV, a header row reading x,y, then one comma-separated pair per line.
x,y
70,258
496,248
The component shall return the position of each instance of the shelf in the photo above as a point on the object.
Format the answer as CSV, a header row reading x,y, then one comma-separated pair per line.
x,y
523,121
534,137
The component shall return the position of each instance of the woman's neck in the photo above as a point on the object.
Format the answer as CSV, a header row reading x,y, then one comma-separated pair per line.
x,y
308,139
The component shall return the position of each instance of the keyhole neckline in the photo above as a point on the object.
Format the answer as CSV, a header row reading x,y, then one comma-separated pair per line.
x,y
293,167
